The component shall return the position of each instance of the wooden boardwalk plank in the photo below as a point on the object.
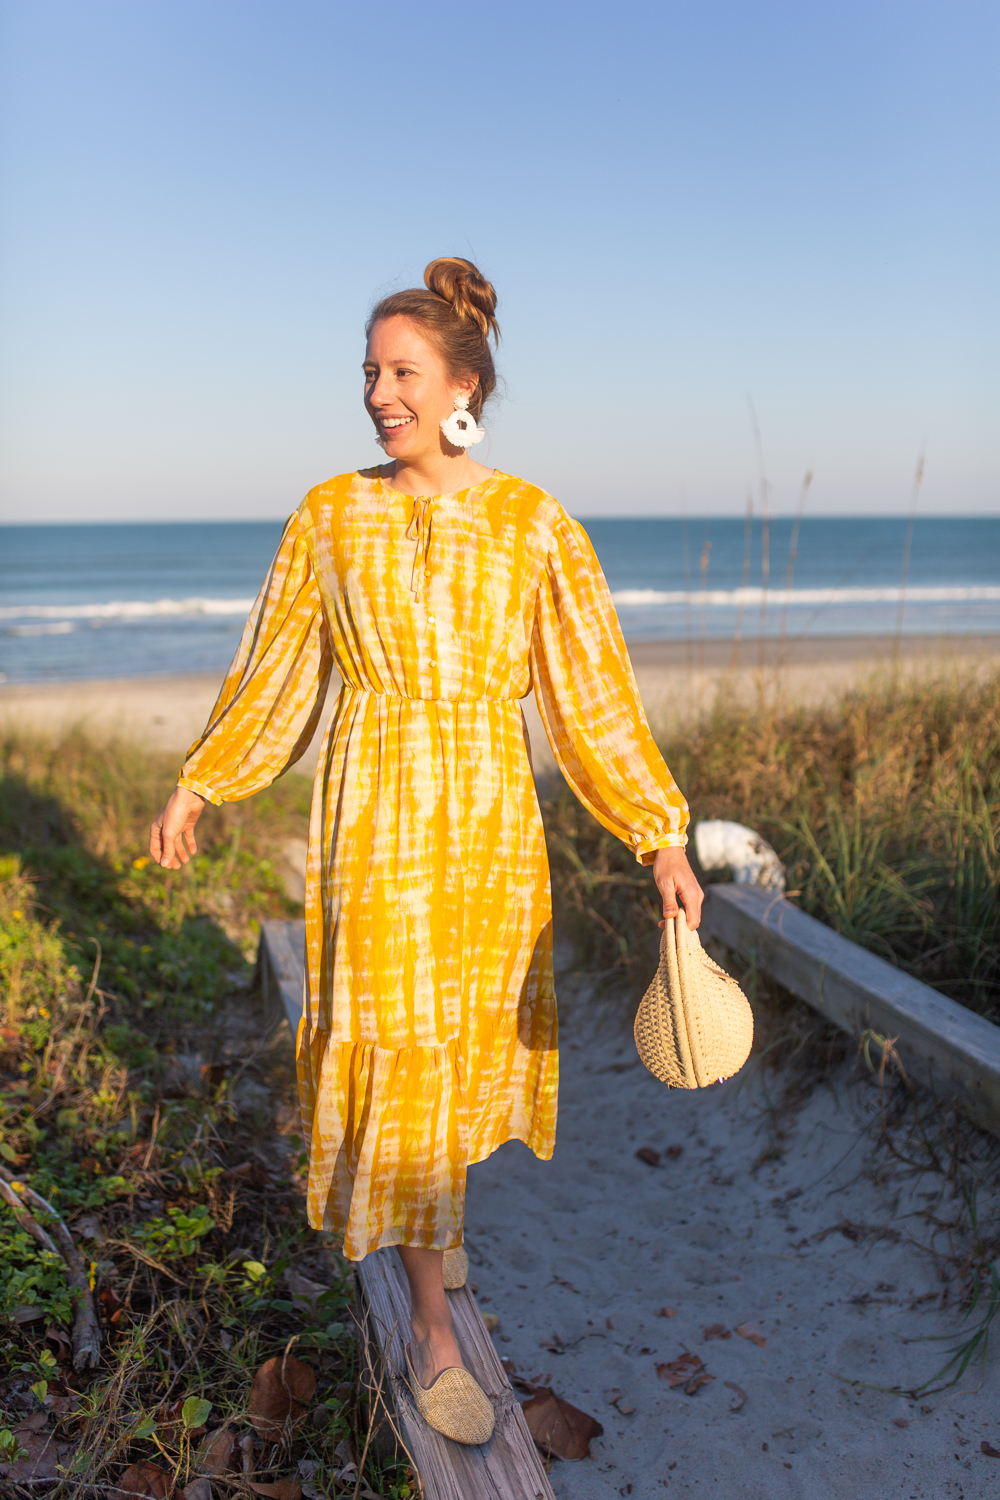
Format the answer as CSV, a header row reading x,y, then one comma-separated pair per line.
x,y
944,1045
281,965
508,1467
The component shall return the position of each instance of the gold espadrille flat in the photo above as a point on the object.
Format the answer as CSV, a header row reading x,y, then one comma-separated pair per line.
x,y
455,1405
455,1268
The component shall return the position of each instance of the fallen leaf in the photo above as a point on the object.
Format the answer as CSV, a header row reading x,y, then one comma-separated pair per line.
x,y
88,1227
674,1152
491,1322
111,1306
628,1411
146,1481
28,1312
176,1418
667,1312
59,1338
716,1331
198,1489
42,1452
989,1450
305,1293
900,1422
215,1455
688,1370
649,1156
559,1429
244,1450
752,1332
282,1489
561,1281
282,1390
741,1395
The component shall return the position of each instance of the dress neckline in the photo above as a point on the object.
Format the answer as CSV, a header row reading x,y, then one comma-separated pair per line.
x,y
483,484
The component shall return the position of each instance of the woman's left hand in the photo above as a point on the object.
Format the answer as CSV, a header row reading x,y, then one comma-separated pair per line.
x,y
677,885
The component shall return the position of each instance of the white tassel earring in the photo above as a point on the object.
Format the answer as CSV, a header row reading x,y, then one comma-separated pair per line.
x,y
460,428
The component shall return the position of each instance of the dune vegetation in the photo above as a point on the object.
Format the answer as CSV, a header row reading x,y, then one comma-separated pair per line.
x,y
146,1102
884,808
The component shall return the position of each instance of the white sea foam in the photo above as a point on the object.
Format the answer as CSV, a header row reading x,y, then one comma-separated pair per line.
x,y
125,609
751,596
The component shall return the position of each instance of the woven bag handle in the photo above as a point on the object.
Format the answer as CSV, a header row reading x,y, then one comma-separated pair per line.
x,y
673,951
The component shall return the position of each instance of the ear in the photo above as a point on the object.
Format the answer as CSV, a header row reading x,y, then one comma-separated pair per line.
x,y
467,388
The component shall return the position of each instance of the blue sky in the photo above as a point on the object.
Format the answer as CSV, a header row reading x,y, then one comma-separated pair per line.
x,y
679,204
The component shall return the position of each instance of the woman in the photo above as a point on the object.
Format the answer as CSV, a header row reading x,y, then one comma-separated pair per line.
x,y
441,592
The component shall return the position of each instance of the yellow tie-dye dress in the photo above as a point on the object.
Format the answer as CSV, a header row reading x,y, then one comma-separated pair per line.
x,y
429,1029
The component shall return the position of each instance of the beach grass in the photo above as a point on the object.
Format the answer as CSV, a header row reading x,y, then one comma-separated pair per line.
x,y
884,807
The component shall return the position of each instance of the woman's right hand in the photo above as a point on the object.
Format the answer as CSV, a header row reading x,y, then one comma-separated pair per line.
x,y
174,828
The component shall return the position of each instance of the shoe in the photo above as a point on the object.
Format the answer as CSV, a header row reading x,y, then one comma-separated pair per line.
x,y
455,1268
455,1405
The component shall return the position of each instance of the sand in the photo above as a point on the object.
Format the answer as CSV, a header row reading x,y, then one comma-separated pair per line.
x,y
678,681
577,1256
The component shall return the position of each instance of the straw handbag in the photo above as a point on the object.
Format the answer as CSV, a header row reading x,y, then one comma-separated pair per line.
x,y
694,1025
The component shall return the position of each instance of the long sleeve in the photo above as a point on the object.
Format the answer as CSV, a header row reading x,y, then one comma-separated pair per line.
x,y
589,703
271,700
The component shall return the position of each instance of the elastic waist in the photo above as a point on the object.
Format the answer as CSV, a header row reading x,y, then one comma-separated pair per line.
x,y
349,687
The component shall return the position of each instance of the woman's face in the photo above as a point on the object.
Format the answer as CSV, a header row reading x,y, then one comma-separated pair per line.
x,y
408,391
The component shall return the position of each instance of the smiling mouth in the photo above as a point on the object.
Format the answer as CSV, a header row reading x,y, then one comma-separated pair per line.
x,y
393,424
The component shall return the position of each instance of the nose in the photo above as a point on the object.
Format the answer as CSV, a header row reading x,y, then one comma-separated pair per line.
x,y
380,394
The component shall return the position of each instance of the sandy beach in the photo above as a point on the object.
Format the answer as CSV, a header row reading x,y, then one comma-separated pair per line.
x,y
678,681
812,1252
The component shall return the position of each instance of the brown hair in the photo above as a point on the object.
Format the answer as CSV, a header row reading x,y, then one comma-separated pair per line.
x,y
458,312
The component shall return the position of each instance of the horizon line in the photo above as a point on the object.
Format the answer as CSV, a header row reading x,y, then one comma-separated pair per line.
x,y
693,515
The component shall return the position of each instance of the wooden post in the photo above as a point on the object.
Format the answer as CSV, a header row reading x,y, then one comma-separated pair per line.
x,y
941,1043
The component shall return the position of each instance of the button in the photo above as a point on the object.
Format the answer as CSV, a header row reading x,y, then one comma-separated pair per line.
x,y
431,620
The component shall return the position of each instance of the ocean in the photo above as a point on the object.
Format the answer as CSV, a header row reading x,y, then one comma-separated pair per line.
x,y
137,600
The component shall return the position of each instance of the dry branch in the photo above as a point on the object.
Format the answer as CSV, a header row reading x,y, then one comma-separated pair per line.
x,y
86,1329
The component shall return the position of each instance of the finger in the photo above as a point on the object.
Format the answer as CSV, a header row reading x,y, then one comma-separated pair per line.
x,y
156,840
669,894
190,839
691,896
168,852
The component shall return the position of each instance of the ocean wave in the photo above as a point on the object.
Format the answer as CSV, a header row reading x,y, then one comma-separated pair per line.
x,y
636,598
126,609
64,627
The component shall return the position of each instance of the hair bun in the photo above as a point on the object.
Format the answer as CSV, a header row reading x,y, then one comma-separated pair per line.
x,y
464,286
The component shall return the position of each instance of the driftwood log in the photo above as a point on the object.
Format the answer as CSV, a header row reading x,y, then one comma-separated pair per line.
x,y
86,1329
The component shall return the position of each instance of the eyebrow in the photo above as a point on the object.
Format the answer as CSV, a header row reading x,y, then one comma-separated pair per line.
x,y
397,359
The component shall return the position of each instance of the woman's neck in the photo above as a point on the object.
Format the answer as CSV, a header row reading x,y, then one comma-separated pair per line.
x,y
435,475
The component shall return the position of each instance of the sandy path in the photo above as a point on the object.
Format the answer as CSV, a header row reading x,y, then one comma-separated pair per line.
x,y
723,1243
